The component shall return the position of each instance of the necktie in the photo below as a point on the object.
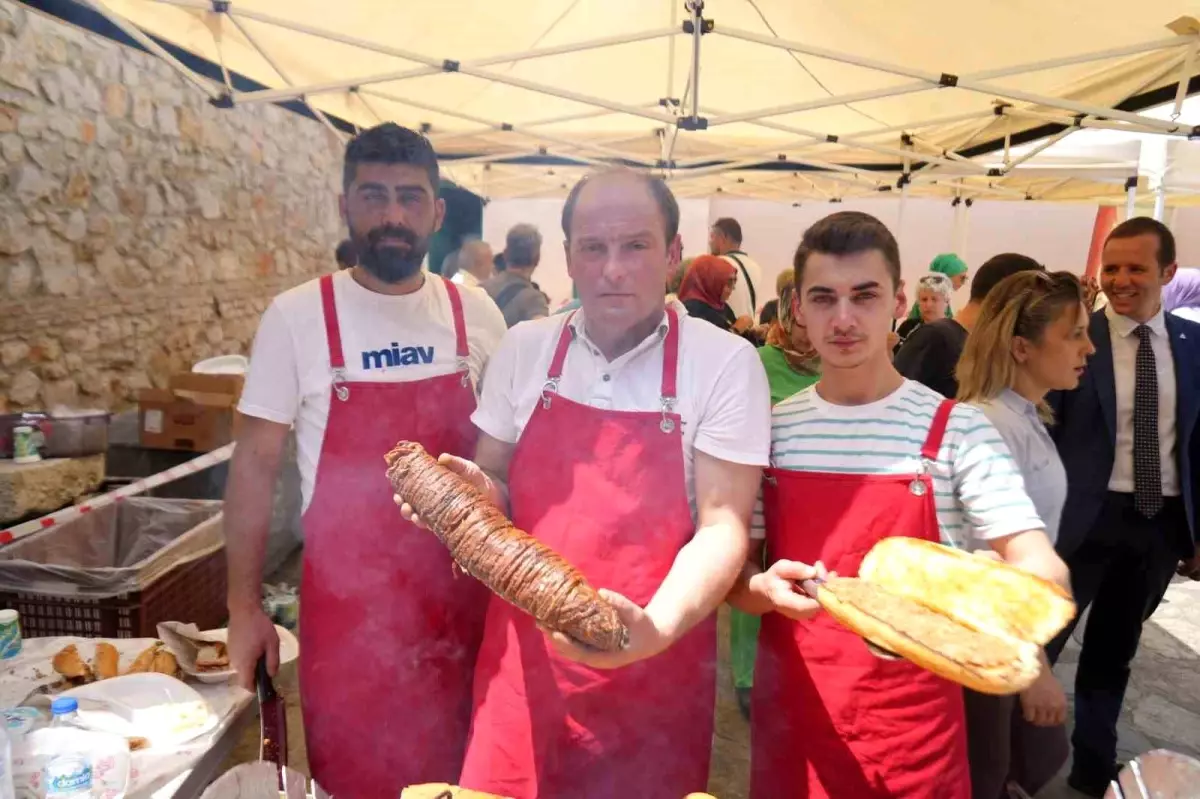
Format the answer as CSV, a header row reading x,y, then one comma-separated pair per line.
x,y
1147,468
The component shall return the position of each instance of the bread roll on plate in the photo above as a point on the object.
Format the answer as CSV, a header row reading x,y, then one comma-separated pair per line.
x,y
969,619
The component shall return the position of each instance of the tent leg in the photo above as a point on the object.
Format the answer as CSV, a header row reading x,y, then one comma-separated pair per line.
x,y
1131,187
696,7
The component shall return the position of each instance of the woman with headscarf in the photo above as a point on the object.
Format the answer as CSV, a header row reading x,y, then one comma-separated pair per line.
x,y
705,291
954,269
791,364
1182,295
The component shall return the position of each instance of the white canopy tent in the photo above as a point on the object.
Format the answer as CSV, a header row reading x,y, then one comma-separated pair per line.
x,y
773,99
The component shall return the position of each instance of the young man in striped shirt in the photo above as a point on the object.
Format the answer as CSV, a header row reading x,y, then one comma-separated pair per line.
x,y
863,455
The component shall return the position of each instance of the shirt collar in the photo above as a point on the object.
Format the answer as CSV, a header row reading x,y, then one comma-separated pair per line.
x,y
1017,404
578,332
1124,326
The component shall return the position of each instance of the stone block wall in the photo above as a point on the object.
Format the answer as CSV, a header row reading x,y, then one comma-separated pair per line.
x,y
141,229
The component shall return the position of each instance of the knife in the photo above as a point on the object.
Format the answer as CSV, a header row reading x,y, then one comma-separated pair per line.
x,y
272,720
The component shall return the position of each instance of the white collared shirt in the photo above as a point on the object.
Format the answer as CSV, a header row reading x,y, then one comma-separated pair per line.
x,y
465,278
1124,347
723,397
1018,422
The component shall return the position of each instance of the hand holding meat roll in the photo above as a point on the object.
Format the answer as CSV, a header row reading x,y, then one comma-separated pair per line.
x,y
512,563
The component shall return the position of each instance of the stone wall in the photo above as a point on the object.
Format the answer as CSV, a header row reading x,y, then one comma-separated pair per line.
x,y
141,229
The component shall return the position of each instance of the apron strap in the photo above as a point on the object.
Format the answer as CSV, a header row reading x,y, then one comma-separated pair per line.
x,y
670,356
560,352
333,333
937,430
460,325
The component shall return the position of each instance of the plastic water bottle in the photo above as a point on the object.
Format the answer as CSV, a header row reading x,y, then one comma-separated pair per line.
x,y
68,775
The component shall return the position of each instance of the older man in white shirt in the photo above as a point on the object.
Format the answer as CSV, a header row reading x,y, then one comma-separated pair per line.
x,y
629,437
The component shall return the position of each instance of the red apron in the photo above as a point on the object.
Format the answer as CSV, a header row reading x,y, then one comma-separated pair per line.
x,y
389,631
606,489
829,719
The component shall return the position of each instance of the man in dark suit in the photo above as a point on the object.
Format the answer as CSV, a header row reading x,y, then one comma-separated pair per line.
x,y
1129,438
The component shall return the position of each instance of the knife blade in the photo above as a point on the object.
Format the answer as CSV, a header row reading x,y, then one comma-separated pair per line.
x,y
272,719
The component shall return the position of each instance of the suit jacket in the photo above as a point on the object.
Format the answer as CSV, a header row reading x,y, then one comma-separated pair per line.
x,y
1085,431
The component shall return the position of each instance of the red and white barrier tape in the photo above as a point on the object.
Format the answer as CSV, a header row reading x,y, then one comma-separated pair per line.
x,y
201,463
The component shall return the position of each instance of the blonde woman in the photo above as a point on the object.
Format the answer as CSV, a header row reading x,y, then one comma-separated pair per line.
x,y
1030,339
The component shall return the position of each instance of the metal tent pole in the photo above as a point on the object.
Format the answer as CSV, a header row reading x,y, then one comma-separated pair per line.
x,y
1131,187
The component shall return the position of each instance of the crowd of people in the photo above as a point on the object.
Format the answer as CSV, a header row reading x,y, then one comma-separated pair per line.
x,y
684,454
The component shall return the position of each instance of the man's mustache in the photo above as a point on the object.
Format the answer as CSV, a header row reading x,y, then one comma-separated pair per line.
x,y
376,235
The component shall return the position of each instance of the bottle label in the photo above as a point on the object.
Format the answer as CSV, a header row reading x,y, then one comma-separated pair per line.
x,y
10,639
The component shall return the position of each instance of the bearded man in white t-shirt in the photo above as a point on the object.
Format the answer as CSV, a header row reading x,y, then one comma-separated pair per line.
x,y
356,361
629,437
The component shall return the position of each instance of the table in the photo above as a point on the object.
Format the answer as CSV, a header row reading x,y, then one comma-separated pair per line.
x,y
157,773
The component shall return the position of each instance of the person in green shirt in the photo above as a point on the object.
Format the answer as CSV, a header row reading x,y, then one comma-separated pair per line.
x,y
951,266
791,365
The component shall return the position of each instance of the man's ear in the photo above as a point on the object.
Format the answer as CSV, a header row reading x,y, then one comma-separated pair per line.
x,y
1168,273
901,309
567,253
342,209
439,214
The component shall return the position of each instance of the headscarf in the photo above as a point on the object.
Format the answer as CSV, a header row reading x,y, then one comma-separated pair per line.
x,y
779,335
948,264
706,279
1183,291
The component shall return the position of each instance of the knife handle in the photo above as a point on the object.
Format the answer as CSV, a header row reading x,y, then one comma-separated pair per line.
x,y
810,586
263,685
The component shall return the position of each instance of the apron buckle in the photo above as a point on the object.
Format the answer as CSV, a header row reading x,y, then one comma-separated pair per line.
x,y
667,425
549,388
465,370
917,487
339,378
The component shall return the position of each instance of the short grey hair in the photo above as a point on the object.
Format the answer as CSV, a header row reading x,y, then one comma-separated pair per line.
x,y
523,246
937,283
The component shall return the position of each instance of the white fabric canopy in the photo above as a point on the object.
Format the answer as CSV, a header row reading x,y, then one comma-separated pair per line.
x,y
903,85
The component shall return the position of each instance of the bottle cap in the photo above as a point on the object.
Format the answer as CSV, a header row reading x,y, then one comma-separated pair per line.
x,y
64,705
8,616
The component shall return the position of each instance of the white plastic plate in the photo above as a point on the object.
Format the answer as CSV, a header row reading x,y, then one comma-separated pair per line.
x,y
153,706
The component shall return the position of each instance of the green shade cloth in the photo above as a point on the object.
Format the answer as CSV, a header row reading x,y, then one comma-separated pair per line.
x,y
784,381
947,264
463,220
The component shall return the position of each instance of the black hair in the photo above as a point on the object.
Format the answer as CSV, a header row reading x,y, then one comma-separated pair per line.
x,y
731,228
346,254
998,267
390,144
663,198
848,233
1145,226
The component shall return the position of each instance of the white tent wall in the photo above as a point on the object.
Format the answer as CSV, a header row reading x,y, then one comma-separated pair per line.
x,y
1057,234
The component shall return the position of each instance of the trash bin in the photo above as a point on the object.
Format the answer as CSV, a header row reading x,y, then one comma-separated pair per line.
x,y
119,570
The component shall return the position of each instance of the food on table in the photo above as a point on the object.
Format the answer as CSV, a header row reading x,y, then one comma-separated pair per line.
x,y
70,665
137,744
975,621
212,656
441,790
145,660
512,563
165,662
107,661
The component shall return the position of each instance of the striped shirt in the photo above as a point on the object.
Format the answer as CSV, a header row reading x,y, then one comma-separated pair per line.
x,y
977,486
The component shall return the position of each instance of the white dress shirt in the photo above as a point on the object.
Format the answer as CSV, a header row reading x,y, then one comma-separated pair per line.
x,y
723,397
1124,348
464,278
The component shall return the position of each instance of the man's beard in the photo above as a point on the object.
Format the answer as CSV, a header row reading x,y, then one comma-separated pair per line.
x,y
387,262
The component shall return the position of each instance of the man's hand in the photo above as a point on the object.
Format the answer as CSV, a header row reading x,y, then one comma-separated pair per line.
x,y
468,470
1044,703
1190,568
251,635
645,638
778,585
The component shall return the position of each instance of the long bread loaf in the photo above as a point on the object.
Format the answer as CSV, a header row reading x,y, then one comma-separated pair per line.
x,y
512,563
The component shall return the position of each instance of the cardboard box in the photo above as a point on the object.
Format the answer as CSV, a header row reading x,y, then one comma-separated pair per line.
x,y
195,413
